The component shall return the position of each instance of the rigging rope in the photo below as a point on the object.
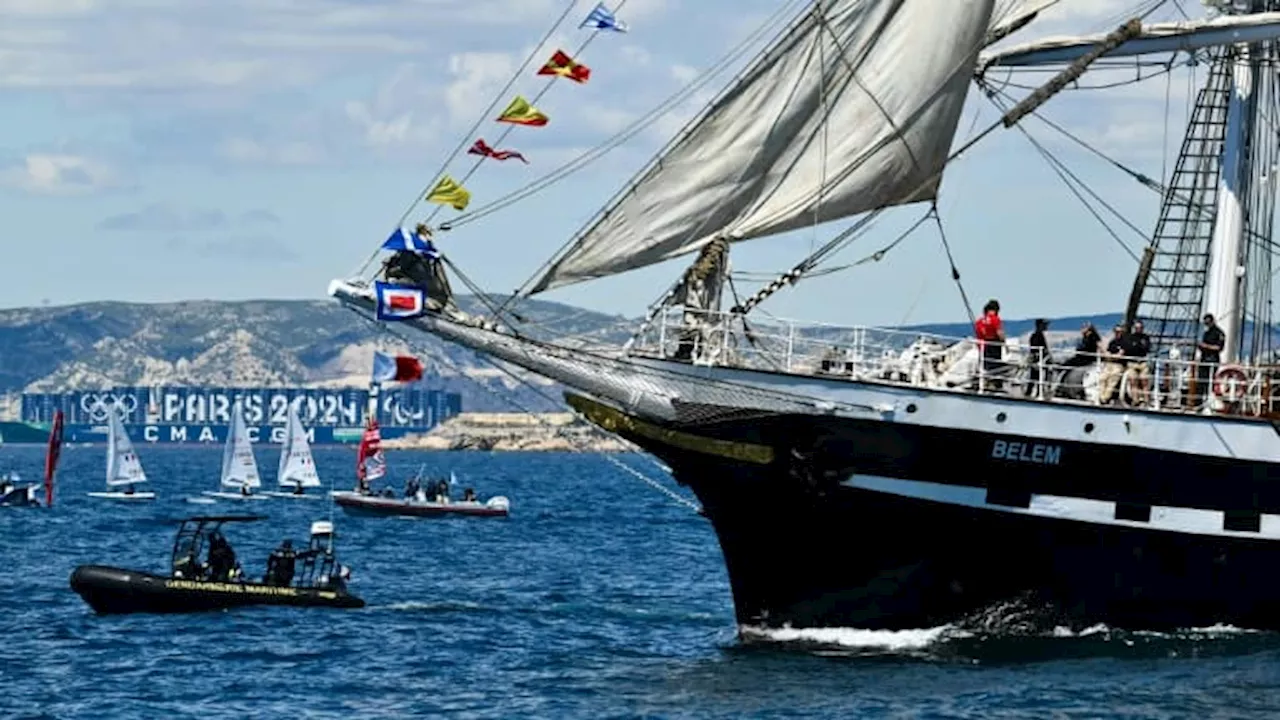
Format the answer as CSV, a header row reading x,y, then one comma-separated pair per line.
x,y
955,272
1067,176
479,121
557,431
508,129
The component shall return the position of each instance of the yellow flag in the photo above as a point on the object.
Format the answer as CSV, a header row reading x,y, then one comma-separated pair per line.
x,y
520,112
449,192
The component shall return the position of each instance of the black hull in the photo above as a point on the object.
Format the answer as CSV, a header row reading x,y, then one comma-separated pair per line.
x,y
111,590
805,546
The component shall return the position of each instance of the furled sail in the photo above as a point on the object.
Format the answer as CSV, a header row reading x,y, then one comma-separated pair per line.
x,y
1155,38
854,108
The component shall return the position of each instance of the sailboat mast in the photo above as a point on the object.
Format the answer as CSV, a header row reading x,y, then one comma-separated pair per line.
x,y
1224,281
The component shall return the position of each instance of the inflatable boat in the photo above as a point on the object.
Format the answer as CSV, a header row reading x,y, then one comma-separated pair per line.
x,y
311,577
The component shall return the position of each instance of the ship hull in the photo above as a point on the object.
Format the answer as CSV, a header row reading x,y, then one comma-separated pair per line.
x,y
831,522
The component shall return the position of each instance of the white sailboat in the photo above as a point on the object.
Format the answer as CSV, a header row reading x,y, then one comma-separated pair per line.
x,y
124,469
239,467
297,470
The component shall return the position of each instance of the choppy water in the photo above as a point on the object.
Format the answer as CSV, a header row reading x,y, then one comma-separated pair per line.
x,y
597,598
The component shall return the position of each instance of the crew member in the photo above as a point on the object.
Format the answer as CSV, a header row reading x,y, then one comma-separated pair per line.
x,y
244,490
1112,367
1137,346
468,495
222,559
280,566
990,333
1039,354
1211,344
297,487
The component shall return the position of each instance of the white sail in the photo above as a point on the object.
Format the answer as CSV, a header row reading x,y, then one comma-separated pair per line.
x,y
853,109
239,467
1155,38
297,467
123,465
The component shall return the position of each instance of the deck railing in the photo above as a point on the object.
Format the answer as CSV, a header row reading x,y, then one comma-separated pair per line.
x,y
1169,380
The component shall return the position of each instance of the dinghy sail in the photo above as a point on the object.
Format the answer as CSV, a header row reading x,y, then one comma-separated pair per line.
x,y
297,469
239,467
124,468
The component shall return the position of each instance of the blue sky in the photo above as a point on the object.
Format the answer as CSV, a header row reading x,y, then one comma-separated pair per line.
x,y
158,150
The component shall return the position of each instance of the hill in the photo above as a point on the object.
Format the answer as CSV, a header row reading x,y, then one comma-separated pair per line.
x,y
290,342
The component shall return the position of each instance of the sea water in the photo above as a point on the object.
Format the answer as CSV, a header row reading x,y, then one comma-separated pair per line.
x,y
598,597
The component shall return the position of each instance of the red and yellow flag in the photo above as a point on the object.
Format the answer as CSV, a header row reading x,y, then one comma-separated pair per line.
x,y
520,112
564,66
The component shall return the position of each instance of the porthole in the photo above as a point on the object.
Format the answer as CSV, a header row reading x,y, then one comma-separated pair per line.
x,y
911,408
1001,417
1088,427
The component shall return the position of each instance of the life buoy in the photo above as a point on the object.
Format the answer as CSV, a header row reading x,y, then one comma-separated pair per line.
x,y
1230,383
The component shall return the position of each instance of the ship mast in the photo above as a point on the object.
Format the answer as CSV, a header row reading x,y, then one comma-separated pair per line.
x,y
1224,281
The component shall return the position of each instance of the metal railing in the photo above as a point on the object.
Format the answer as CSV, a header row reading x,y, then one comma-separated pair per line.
x,y
1165,382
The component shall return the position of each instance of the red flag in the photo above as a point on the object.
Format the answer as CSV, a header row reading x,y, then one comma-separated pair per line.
x,y
482,148
564,66
408,368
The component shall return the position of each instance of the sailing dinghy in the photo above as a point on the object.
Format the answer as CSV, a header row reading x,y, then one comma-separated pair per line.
x,y
124,469
239,467
297,468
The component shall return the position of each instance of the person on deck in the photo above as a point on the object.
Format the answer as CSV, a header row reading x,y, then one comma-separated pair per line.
x,y
1039,356
1137,346
297,488
990,333
1211,345
128,489
469,495
244,490
1112,367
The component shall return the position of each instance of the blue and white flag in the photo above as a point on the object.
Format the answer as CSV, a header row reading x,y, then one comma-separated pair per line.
x,y
399,302
402,239
601,19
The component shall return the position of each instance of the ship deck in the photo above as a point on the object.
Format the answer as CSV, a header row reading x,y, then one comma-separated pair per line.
x,y
1165,381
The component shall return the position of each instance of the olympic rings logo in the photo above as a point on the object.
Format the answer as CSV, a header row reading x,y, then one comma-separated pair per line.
x,y
99,406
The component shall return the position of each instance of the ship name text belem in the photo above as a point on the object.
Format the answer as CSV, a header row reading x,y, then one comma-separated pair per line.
x,y
1020,451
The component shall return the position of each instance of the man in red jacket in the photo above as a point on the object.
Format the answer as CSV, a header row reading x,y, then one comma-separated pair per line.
x,y
990,333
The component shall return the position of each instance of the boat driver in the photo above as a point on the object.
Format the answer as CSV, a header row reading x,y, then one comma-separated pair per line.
x,y
222,559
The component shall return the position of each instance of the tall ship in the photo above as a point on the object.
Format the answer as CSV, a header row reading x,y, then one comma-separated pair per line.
x,y
863,477
202,415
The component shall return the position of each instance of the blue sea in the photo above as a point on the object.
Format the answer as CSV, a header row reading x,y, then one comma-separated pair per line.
x,y
597,598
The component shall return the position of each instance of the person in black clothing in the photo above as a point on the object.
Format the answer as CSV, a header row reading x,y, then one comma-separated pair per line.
x,y
1039,354
280,566
222,559
1086,348
1211,344
1137,346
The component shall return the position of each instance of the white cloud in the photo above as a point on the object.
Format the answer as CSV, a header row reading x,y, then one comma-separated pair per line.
x,y
476,77
58,174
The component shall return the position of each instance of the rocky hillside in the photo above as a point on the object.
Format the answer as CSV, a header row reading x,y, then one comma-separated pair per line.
x,y
297,342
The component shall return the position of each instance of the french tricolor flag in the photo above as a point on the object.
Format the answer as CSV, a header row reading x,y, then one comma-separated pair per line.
x,y
399,302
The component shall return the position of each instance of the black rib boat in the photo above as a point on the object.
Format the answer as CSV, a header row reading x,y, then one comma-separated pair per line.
x,y
319,580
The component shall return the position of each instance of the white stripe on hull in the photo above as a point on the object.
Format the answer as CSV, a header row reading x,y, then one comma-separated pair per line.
x,y
1170,519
